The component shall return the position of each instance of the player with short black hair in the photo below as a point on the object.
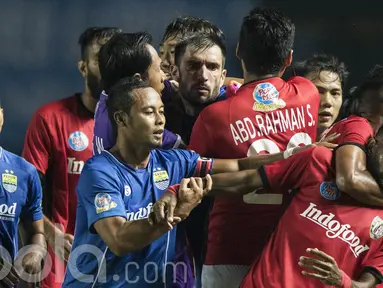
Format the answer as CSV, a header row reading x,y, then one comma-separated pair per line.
x,y
329,75
128,55
177,30
265,42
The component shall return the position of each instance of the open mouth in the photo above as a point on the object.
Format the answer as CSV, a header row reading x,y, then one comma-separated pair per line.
x,y
159,132
324,116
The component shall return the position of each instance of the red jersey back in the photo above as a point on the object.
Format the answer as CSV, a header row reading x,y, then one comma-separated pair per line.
x,y
319,216
57,143
264,117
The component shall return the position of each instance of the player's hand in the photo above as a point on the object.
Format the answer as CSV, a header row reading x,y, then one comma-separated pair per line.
x,y
63,245
327,141
190,194
12,278
322,267
163,209
32,264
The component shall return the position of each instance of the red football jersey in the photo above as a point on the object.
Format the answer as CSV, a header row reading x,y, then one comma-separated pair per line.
x,y
319,216
57,143
353,130
264,117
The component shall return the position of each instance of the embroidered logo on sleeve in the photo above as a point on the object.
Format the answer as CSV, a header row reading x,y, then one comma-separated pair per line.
x,y
103,202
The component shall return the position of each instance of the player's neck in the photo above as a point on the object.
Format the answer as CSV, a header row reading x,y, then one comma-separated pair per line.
x,y
254,78
89,102
136,157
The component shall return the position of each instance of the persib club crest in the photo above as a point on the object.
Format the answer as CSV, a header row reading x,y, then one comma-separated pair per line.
x,y
266,98
103,202
78,141
329,190
376,229
9,181
160,178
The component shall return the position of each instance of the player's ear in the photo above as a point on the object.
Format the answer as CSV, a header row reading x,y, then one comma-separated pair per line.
x,y
81,65
236,51
289,58
223,77
121,118
174,71
138,75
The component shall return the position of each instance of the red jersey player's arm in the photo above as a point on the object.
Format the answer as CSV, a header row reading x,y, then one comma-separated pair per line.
x,y
282,175
366,280
353,178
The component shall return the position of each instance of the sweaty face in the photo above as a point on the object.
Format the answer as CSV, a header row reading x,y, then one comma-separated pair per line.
x,y
93,77
146,121
155,75
330,90
201,75
167,49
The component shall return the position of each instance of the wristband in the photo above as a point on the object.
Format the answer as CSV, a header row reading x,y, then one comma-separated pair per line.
x,y
346,281
174,189
288,153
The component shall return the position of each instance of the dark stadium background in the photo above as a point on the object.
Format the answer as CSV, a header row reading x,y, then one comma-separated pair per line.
x,y
39,53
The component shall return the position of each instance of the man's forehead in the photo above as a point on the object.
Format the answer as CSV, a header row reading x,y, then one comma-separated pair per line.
x,y
147,96
325,79
212,54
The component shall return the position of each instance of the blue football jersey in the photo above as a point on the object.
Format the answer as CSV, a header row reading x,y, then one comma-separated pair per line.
x,y
109,188
20,196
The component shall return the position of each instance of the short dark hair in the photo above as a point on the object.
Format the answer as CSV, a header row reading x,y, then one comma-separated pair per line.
x,y
372,82
322,62
123,56
92,35
199,42
121,96
186,25
265,41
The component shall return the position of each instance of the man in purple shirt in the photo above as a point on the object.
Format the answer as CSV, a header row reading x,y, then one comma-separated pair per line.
x,y
127,55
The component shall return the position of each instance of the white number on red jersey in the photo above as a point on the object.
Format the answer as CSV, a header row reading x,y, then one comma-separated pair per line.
x,y
270,147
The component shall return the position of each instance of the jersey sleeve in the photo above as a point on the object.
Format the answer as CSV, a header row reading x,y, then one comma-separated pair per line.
x,y
99,194
33,210
374,264
38,144
298,170
355,132
194,165
200,139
